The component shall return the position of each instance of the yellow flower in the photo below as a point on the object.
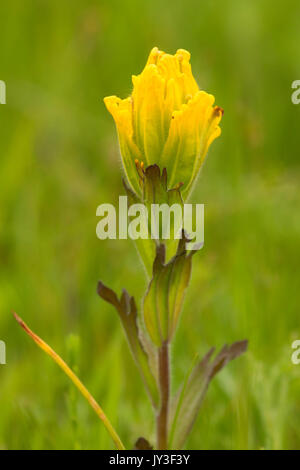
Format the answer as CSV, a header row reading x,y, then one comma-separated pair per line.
x,y
167,120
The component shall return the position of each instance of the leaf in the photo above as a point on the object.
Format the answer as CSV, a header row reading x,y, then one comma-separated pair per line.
x,y
188,400
127,311
165,295
142,444
83,390
154,190
145,247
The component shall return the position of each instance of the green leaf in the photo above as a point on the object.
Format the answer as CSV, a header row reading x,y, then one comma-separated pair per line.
x,y
145,247
154,190
187,402
127,311
166,291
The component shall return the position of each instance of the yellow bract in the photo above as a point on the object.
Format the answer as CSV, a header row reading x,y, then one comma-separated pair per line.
x,y
167,120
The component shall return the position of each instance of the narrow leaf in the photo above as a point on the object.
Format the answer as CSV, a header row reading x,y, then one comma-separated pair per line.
x,y
127,311
166,291
189,399
83,390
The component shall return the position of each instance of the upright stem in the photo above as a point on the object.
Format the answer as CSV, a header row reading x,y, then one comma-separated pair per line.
x,y
164,385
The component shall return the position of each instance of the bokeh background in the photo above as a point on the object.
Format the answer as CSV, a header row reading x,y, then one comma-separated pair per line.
x,y
59,160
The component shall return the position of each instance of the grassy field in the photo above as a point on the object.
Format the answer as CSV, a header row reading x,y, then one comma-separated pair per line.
x,y
59,160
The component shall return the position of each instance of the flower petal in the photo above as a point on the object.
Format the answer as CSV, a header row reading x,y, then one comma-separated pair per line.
x,y
192,130
121,111
148,113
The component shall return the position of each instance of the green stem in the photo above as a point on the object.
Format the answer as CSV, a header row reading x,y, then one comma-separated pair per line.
x,y
164,385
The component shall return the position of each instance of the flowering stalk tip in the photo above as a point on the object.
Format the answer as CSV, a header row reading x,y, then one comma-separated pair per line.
x,y
167,120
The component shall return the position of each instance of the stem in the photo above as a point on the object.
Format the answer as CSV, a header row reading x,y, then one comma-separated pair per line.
x,y
83,390
164,385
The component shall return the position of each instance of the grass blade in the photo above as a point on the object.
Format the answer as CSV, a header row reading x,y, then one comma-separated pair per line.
x,y
83,390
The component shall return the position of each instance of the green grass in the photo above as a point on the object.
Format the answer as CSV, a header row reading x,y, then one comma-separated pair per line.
x,y
59,161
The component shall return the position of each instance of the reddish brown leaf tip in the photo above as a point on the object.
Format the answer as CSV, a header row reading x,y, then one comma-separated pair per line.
x,y
218,110
19,320
22,324
142,444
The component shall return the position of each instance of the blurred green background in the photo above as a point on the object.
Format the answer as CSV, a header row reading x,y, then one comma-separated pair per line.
x,y
59,161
